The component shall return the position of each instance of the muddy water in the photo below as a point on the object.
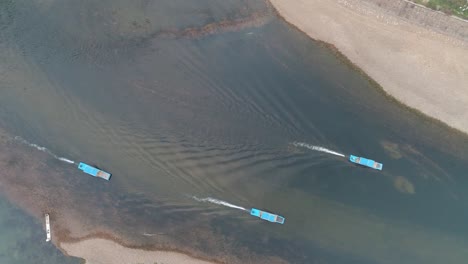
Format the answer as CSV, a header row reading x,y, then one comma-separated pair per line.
x,y
210,99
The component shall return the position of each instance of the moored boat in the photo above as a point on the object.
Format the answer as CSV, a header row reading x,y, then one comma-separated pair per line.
x,y
94,171
47,222
366,162
267,216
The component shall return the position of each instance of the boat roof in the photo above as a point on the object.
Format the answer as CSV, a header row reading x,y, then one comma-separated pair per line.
x,y
366,162
94,171
88,169
267,216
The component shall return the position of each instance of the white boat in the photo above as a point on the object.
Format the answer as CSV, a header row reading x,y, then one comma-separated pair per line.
x,y
47,221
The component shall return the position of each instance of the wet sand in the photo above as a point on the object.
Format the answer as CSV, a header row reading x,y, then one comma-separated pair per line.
x,y
409,57
102,251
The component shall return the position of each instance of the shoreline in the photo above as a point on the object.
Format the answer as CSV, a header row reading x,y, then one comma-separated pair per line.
x,y
107,225
92,245
103,248
66,221
324,22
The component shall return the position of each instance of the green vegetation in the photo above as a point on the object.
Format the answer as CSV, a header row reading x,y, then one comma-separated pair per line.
x,y
451,7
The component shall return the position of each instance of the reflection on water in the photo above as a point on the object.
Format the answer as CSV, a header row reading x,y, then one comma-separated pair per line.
x,y
207,99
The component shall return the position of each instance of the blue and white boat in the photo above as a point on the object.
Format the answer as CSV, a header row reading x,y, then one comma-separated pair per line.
x,y
94,171
267,216
366,162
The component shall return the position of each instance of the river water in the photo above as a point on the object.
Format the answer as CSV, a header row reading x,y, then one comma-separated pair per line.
x,y
248,111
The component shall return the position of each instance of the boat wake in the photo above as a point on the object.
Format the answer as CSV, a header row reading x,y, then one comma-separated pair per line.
x,y
43,149
318,148
216,201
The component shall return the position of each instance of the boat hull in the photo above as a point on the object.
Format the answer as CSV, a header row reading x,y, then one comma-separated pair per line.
x,y
366,162
95,172
47,222
267,216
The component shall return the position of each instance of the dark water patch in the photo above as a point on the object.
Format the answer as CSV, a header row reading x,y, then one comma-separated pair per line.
x,y
23,239
436,186
100,33
6,14
264,242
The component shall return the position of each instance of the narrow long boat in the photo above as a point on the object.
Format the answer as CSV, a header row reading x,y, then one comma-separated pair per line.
x,y
267,216
94,171
47,222
366,162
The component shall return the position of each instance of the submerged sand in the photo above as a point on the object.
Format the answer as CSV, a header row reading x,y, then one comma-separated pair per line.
x,y
102,251
110,225
419,66
417,55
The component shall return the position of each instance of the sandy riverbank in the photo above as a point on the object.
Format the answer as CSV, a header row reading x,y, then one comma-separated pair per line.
x,y
412,59
102,251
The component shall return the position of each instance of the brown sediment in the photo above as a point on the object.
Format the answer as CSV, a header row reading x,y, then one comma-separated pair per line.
x,y
437,172
99,22
392,149
403,185
397,151
83,208
257,19
384,45
254,20
429,168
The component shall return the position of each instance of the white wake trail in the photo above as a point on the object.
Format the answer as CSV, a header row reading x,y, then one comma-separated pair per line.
x,y
43,149
65,160
216,201
318,148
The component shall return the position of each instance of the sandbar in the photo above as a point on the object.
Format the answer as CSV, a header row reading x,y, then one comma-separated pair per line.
x,y
103,251
417,55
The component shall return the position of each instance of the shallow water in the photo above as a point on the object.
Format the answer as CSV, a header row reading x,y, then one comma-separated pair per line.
x,y
217,115
23,239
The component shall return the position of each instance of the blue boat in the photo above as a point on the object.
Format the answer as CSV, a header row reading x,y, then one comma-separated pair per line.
x,y
94,171
366,162
267,216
